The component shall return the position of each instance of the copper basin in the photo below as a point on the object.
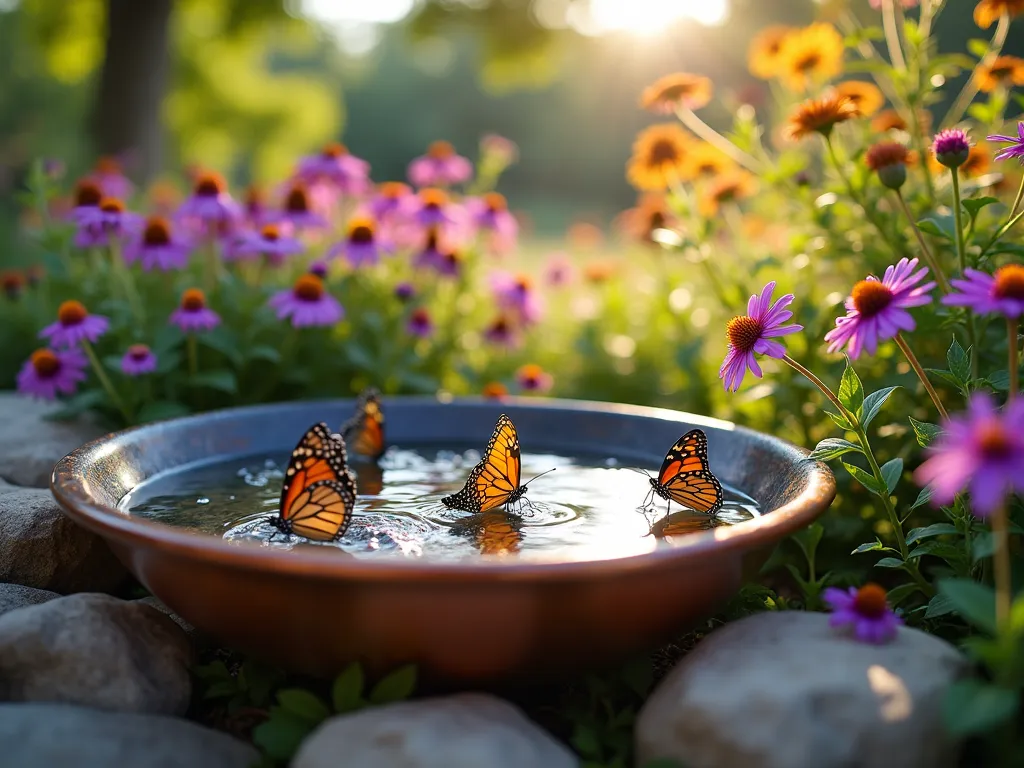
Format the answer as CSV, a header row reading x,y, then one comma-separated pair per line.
x,y
313,612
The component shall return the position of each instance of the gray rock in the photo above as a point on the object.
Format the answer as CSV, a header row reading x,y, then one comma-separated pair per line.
x,y
16,596
41,547
786,690
198,638
61,736
30,444
96,651
468,730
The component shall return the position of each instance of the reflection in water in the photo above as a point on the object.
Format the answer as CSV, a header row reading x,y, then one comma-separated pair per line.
x,y
680,524
495,532
369,478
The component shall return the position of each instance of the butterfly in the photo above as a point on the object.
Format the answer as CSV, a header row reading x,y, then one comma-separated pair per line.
x,y
364,432
319,491
686,478
494,482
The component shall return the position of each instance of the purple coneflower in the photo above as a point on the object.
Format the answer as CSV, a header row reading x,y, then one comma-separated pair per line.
x,y
210,204
877,309
404,292
270,242
111,179
86,200
450,264
49,372
532,378
440,167
420,323
107,221
1016,148
431,255
951,147
981,451
361,245
391,197
307,304
516,294
431,208
192,314
138,360
74,325
751,335
297,209
497,151
559,271
254,206
336,166
502,332
318,268
490,213
1001,293
158,246
866,611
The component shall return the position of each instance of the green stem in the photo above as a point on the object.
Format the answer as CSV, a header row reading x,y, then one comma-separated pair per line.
x,y
1001,561
1011,331
105,382
926,252
124,276
689,118
961,248
916,365
970,89
210,267
1018,198
892,35
193,354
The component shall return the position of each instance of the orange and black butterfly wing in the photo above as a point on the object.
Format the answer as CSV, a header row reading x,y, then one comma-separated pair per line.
x,y
686,477
319,457
321,511
364,432
496,478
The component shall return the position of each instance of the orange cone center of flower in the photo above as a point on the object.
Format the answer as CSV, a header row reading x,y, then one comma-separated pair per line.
x,y
531,372
270,232
45,362
433,198
393,189
72,313
1010,282
335,149
87,194
297,201
993,440
193,300
743,332
108,166
500,326
663,151
158,231
420,317
870,601
441,150
138,352
253,197
1000,73
494,389
495,202
360,231
524,283
111,205
11,281
657,221
870,297
452,259
808,62
309,288
209,185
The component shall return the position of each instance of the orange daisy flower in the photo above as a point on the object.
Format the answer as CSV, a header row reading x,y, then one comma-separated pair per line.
x,y
726,189
707,161
1006,71
811,55
650,213
865,96
763,55
987,12
819,116
659,157
681,89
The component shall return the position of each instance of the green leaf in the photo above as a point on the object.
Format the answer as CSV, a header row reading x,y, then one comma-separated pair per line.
x,y
347,691
873,404
303,705
808,539
975,205
281,735
222,689
865,479
959,363
889,562
940,605
924,497
941,549
891,472
984,545
839,421
978,47
159,410
900,593
638,674
112,363
75,406
222,380
851,391
939,226
975,603
397,686
924,432
999,381
264,352
168,361
871,546
936,529
260,680
945,375
974,707
224,341
215,670
832,448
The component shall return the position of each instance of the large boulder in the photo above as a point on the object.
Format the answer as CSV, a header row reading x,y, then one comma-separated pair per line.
x,y
62,736
41,547
30,444
786,690
96,651
464,731
16,596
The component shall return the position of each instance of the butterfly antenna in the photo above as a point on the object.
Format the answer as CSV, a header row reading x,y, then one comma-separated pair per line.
x,y
543,473
640,471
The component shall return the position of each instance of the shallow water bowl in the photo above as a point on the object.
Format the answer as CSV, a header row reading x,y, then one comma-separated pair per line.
x,y
314,609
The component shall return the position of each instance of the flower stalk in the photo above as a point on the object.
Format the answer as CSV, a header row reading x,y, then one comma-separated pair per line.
x,y
916,365
1014,363
105,382
940,276
1001,563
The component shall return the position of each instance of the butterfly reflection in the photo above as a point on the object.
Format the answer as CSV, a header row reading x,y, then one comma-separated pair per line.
x,y
364,432
680,524
495,533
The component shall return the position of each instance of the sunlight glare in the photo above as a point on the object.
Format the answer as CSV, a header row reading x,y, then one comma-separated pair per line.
x,y
649,17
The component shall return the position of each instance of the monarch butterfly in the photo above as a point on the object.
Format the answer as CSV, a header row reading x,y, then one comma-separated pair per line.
x,y
495,480
319,491
686,478
364,432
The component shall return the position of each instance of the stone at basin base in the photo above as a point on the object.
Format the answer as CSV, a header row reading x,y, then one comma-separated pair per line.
x,y
464,731
786,690
62,736
95,651
30,444
40,547
16,596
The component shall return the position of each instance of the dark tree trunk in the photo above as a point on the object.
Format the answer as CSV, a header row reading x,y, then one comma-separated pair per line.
x,y
126,120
